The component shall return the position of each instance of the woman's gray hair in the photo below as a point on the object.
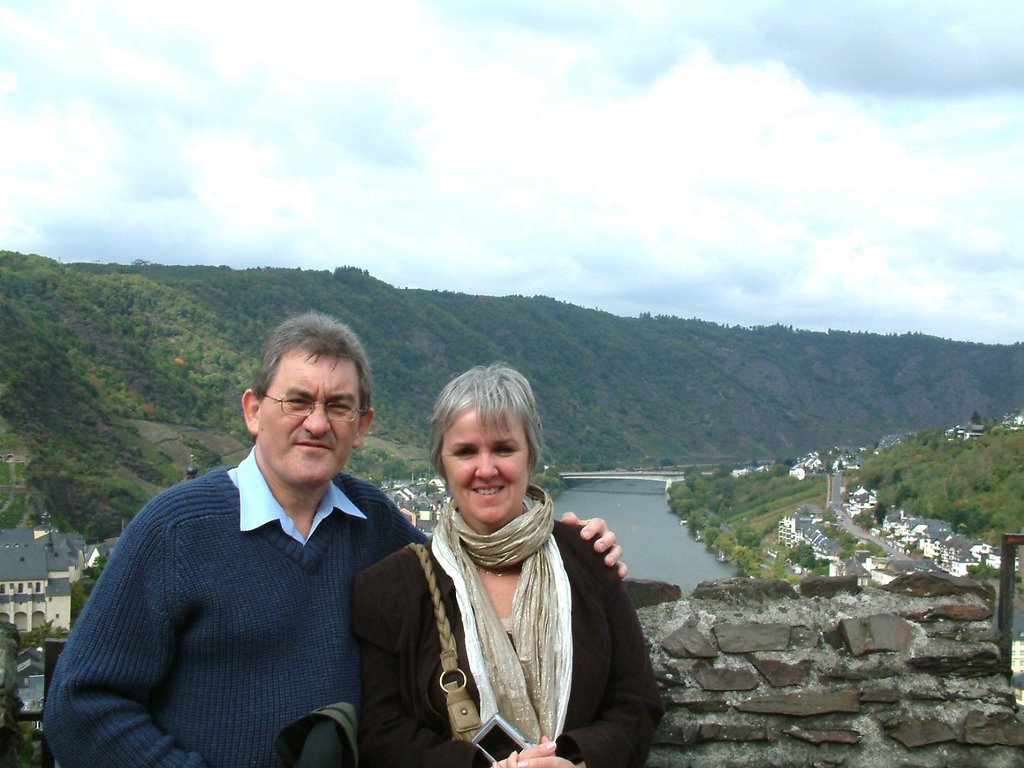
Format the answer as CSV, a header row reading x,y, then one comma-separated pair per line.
x,y
499,395
318,335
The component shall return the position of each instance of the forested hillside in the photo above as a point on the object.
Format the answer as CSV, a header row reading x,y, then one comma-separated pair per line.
x,y
86,347
975,485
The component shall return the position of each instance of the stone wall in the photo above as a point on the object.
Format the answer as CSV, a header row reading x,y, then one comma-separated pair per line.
x,y
758,674
755,673
10,732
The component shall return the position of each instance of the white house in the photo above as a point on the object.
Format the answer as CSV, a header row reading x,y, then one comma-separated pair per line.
x,y
37,569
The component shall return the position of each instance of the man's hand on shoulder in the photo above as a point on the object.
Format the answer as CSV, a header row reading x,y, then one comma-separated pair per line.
x,y
604,539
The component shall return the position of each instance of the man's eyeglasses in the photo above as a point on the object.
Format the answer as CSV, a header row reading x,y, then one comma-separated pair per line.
x,y
301,407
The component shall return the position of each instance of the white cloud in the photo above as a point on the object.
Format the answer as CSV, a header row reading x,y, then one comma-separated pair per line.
x,y
754,163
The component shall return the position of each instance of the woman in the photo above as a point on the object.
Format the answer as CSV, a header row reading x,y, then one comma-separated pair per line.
x,y
546,631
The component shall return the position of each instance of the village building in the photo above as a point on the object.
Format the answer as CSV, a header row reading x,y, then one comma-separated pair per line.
x,y
37,568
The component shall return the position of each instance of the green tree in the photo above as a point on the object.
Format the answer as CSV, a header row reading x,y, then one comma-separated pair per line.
x,y
31,638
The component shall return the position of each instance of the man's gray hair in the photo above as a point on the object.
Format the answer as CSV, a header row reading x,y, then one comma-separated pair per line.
x,y
318,335
500,395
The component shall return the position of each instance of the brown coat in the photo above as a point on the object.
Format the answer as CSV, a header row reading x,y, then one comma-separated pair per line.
x,y
614,705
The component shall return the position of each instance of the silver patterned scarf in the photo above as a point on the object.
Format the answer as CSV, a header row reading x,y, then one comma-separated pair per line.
x,y
525,677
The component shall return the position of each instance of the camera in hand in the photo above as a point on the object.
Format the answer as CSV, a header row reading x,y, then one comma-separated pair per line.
x,y
498,738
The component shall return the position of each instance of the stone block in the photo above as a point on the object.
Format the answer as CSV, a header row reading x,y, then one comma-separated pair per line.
x,y
676,733
979,664
804,637
689,642
804,704
939,584
704,706
879,696
913,732
647,592
732,732
829,586
831,736
675,673
781,673
964,633
862,672
724,678
875,634
953,613
746,637
739,591
997,728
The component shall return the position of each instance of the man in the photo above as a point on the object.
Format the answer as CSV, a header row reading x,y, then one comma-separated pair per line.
x,y
223,614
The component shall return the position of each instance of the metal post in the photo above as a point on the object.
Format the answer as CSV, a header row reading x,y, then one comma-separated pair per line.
x,y
1007,581
51,650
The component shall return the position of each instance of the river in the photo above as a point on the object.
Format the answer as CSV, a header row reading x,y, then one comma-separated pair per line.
x,y
655,545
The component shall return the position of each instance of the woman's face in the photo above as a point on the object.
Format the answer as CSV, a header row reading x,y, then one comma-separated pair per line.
x,y
487,470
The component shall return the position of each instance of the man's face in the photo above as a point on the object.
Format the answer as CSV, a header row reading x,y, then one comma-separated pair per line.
x,y
300,456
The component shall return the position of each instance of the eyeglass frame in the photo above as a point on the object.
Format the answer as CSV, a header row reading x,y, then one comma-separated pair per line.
x,y
356,412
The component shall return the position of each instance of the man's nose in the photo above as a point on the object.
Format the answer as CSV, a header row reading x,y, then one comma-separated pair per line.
x,y
317,420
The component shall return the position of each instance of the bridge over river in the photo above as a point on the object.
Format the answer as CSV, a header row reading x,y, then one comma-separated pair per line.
x,y
664,476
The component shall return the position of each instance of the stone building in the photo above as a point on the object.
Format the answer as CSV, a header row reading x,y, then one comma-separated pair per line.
x,y
37,569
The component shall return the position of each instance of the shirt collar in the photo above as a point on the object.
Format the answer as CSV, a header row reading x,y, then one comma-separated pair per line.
x,y
259,507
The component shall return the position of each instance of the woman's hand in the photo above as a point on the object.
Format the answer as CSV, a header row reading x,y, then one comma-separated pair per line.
x,y
604,540
540,756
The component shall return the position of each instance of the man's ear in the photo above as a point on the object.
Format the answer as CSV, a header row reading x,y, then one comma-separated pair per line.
x,y
365,420
251,411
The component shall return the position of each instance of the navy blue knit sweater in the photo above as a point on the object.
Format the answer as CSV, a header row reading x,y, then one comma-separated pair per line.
x,y
200,642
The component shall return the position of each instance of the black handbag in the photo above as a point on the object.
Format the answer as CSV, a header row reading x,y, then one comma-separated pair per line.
x,y
325,738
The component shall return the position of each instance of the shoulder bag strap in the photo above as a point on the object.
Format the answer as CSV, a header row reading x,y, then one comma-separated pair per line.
x,y
462,711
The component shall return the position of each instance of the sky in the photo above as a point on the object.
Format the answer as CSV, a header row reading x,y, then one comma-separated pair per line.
x,y
816,164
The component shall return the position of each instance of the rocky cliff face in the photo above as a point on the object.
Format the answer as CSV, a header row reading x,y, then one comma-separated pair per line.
x,y
755,673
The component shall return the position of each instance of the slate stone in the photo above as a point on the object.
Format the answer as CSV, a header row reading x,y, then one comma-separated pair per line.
x,y
875,634
980,664
688,643
782,673
929,694
724,678
836,736
746,637
804,637
706,706
739,591
997,728
833,638
803,704
939,584
732,732
913,733
861,673
973,694
677,697
829,586
675,673
1002,699
676,734
953,613
647,592
964,633
879,696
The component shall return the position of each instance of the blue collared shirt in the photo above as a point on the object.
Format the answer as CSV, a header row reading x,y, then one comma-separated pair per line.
x,y
259,506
